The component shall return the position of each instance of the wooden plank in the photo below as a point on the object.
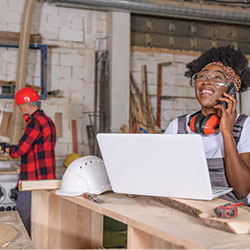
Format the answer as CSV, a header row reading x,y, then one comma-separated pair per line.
x,y
74,136
167,51
6,36
58,124
11,170
6,157
2,82
23,52
204,211
39,185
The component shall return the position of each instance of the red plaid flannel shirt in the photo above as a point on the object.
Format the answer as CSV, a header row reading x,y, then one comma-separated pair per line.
x,y
37,148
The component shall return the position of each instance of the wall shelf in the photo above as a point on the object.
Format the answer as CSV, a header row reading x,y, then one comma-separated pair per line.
x,y
43,83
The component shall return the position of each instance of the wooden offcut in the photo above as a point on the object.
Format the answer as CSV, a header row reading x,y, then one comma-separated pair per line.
x,y
204,210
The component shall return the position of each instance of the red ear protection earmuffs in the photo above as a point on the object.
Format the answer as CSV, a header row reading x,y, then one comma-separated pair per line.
x,y
26,117
201,124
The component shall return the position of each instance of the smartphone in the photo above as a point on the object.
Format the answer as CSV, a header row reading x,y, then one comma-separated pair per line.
x,y
231,91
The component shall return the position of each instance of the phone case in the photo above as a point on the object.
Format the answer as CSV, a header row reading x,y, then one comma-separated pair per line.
x,y
231,91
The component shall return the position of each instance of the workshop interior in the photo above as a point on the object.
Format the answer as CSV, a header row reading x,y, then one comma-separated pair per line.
x,y
109,76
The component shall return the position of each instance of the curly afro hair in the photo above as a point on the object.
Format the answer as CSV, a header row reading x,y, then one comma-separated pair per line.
x,y
229,57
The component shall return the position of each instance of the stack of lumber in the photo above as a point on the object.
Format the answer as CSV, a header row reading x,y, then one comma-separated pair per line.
x,y
141,115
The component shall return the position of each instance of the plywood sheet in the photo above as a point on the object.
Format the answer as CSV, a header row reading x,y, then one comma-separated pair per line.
x,y
7,233
12,232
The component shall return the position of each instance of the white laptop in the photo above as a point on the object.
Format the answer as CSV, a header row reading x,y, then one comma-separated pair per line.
x,y
157,165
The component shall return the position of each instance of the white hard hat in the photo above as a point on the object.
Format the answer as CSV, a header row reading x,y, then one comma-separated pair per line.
x,y
85,175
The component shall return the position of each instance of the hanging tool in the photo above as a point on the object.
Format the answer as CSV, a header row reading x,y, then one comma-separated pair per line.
x,y
228,210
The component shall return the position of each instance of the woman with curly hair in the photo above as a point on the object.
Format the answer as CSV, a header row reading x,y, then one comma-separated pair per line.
x,y
226,134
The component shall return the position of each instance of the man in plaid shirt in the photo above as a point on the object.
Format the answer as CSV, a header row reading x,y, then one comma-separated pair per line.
x,y
36,148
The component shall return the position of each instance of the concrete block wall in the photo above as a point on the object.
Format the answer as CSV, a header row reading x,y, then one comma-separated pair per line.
x,y
70,63
71,68
179,95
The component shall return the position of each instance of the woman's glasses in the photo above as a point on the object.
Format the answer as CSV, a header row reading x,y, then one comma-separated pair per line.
x,y
217,78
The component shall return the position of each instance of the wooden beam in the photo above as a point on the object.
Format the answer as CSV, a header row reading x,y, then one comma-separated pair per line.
x,y
23,52
39,185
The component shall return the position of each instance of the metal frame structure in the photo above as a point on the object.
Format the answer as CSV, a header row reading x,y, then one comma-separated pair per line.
x,y
101,95
43,48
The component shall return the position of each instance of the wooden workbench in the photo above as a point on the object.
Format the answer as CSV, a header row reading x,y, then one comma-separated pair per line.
x,y
13,222
76,222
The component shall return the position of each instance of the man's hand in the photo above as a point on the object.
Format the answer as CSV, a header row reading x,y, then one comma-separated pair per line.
x,y
3,146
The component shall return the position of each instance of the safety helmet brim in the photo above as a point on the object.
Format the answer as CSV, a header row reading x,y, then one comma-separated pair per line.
x,y
68,193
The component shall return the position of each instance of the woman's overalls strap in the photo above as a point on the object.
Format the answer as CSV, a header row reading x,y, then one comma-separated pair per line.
x,y
216,166
182,129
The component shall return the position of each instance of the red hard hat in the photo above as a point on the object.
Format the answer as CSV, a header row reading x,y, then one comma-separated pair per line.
x,y
26,95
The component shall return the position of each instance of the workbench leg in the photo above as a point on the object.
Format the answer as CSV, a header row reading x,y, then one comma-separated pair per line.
x,y
39,218
61,224
137,239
